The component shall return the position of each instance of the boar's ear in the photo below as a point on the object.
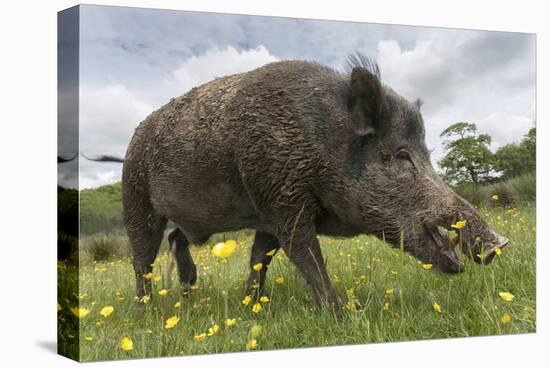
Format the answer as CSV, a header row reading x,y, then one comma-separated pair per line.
x,y
365,101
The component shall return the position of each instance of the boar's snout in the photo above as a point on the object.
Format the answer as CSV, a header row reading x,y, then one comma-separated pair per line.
x,y
486,252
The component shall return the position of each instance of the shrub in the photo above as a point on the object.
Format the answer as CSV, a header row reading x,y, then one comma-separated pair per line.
x,y
514,191
104,247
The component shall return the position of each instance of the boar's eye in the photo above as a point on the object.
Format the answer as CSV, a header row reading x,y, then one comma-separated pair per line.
x,y
404,155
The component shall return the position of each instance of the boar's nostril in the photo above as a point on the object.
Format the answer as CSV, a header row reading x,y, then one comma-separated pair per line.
x,y
502,241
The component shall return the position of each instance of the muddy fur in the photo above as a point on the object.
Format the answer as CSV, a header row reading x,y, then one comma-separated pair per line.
x,y
292,149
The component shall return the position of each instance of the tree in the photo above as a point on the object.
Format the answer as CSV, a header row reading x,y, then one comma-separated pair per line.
x,y
517,159
468,157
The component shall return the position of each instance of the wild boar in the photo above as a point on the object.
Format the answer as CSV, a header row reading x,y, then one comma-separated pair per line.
x,y
293,149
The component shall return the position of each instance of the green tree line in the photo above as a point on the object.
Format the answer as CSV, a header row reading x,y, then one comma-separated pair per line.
x,y
468,158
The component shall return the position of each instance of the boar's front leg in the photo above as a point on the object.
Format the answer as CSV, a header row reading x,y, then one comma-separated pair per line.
x,y
263,250
304,251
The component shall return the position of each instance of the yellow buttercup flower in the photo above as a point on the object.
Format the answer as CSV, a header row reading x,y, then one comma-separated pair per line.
x,y
460,224
437,307
224,249
148,276
163,292
107,311
200,337
252,344
271,253
427,266
506,318
257,308
145,299
230,322
247,300
279,280
498,251
213,330
177,305
258,266
264,299
506,296
126,344
494,197
388,291
171,322
80,312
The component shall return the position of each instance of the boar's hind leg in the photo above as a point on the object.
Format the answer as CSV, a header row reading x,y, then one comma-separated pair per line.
x,y
263,245
145,229
186,267
304,251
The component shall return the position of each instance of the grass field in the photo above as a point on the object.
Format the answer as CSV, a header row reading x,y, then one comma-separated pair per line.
x,y
388,297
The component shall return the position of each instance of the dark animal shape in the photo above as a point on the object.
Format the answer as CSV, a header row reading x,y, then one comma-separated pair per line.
x,y
293,149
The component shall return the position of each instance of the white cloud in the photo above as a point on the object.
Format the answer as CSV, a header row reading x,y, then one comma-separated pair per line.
x,y
218,62
98,179
407,71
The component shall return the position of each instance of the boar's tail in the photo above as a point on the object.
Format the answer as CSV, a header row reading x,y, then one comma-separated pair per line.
x,y
61,159
105,158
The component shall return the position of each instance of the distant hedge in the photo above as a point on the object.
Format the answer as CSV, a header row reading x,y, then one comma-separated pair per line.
x,y
101,209
512,191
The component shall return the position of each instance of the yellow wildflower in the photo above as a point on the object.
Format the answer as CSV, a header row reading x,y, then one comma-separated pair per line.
x,y
257,308
271,253
460,224
498,251
148,276
494,197
88,338
230,322
258,266
145,299
388,291
171,322
252,344
506,318
213,330
163,292
279,280
80,312
107,311
126,344
264,299
386,306
247,300
177,305
437,307
200,337
224,249
506,296
427,266
156,278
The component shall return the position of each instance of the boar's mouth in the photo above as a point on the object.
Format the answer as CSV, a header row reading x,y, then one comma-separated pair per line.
x,y
446,257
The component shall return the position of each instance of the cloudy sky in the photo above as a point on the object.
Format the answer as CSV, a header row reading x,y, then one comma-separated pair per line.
x,y
132,61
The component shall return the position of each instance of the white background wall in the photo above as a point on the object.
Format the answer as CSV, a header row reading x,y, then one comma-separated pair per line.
x,y
28,189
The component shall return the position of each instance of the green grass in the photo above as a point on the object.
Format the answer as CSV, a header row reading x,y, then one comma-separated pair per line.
x,y
470,302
